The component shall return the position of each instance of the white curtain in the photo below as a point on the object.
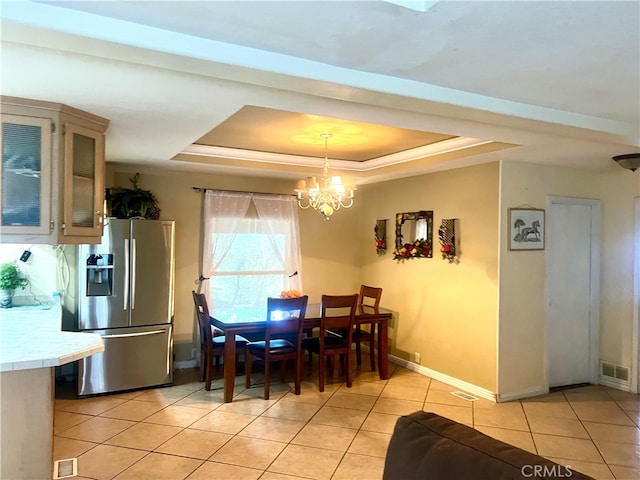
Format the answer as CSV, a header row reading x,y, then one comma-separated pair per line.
x,y
279,216
223,213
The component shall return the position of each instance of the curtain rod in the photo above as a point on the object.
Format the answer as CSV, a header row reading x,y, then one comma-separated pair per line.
x,y
203,190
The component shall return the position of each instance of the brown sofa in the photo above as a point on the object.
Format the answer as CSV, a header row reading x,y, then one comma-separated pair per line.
x,y
427,446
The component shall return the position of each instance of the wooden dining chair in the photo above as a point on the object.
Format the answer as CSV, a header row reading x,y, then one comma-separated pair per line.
x,y
369,299
282,340
210,346
337,315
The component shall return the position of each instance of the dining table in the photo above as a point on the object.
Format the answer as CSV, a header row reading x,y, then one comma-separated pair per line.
x,y
251,322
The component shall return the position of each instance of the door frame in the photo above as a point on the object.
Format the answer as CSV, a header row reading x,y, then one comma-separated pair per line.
x,y
594,286
635,355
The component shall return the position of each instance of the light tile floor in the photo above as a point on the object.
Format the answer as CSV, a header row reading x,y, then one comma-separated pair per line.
x,y
183,431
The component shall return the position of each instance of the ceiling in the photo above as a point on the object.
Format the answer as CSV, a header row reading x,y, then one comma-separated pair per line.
x,y
248,87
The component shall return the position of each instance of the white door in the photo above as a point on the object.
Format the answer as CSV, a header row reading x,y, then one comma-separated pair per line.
x,y
572,316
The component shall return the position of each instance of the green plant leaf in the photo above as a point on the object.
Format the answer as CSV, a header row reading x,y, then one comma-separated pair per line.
x,y
10,277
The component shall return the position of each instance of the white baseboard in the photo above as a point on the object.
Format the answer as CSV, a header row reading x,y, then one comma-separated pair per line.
x,y
441,377
615,383
185,364
532,392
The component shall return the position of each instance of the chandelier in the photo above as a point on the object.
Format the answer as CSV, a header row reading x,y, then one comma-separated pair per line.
x,y
327,194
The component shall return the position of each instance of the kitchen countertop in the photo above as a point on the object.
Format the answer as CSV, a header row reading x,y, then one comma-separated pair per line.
x,y
31,338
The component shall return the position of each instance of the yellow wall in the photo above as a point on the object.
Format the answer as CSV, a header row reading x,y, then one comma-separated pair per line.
x,y
618,187
522,297
329,254
445,312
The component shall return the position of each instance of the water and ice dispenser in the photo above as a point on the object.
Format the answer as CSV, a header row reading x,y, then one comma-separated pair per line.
x,y
100,275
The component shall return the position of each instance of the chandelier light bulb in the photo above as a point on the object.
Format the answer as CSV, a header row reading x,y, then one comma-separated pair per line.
x,y
326,210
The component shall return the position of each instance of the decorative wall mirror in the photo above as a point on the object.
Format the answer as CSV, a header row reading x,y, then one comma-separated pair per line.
x,y
414,235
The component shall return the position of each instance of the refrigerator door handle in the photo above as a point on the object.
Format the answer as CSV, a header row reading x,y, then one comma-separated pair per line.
x,y
133,274
142,334
126,274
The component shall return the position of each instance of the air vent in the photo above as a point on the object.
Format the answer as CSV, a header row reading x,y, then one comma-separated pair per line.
x,y
622,373
614,371
608,369
66,468
464,396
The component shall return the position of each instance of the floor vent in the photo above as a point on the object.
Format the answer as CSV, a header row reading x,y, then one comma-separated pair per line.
x,y
464,396
614,371
66,468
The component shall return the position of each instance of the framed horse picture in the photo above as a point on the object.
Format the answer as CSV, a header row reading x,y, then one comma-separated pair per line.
x,y
526,229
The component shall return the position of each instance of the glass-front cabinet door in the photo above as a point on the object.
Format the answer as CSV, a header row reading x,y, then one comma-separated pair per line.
x,y
25,175
83,181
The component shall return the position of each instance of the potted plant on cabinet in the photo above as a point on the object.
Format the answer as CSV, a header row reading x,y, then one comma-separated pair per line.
x,y
10,280
133,202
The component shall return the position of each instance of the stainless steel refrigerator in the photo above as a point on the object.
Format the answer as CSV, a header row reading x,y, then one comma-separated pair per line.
x,y
126,295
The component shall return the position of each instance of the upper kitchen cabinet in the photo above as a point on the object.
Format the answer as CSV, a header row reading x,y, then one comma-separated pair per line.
x,y
51,174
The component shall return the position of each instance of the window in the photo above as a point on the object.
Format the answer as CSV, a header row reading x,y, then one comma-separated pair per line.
x,y
250,271
249,253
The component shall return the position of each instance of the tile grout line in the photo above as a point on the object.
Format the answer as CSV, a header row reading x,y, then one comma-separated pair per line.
x,y
308,422
526,418
588,433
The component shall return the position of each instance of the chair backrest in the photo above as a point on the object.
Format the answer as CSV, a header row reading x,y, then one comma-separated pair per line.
x,y
338,314
370,296
202,310
284,318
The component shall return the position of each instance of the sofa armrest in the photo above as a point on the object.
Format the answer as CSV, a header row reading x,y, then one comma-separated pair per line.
x,y
427,446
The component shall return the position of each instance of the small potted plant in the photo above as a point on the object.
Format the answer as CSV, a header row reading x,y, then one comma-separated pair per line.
x,y
10,280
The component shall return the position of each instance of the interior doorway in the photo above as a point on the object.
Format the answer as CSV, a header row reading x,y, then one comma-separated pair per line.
x,y
572,265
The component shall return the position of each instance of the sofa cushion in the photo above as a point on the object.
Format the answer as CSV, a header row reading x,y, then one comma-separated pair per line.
x,y
427,446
